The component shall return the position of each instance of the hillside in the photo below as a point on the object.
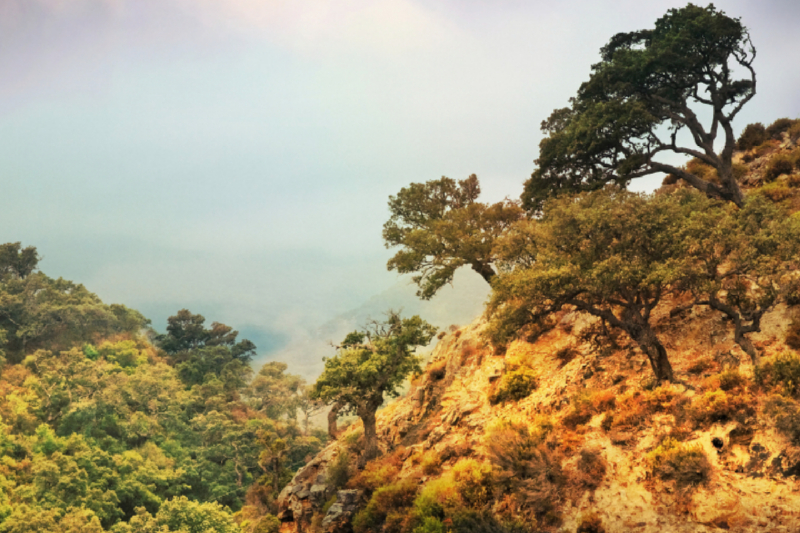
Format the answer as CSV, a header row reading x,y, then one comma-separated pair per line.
x,y
569,431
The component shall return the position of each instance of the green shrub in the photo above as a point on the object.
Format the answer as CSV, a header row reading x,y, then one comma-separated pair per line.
x,y
752,136
385,500
776,129
268,524
688,466
777,192
721,406
376,473
514,386
781,373
339,471
430,463
777,166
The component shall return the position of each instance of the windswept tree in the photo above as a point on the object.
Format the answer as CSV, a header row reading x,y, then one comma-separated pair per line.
x,y
441,226
610,253
744,262
652,90
369,365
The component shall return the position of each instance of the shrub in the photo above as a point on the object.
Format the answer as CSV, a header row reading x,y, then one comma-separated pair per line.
x,y
437,370
701,365
268,524
591,469
776,129
702,170
339,471
752,136
385,500
792,335
430,463
794,131
786,413
777,192
590,524
739,171
721,406
566,354
514,386
525,468
634,409
688,466
474,482
781,372
376,473
777,166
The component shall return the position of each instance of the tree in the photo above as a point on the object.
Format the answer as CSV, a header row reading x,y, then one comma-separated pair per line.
x,y
609,253
197,352
370,364
640,97
441,226
275,393
743,262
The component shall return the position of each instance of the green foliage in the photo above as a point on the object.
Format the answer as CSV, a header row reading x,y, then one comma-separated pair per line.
x,y
688,466
99,434
359,375
588,252
752,136
441,227
639,97
384,500
786,414
779,165
339,471
514,386
777,128
781,373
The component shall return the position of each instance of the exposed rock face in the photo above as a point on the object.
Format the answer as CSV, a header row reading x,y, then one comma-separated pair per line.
x,y
752,486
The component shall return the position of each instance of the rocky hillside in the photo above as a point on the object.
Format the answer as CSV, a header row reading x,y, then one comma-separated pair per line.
x,y
569,432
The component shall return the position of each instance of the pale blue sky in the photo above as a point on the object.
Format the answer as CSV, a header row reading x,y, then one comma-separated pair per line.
x,y
235,156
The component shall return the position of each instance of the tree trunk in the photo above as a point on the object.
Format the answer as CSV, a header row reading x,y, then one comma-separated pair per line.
x,y
333,415
485,270
647,340
370,436
746,345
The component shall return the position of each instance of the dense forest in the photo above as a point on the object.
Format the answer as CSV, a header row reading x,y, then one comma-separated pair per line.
x,y
107,426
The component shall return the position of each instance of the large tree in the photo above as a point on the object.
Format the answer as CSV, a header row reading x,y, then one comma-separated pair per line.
x,y
441,226
652,90
612,254
744,262
369,365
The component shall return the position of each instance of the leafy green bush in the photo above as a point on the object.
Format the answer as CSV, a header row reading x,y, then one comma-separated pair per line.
x,y
688,466
752,136
339,471
721,406
385,500
781,373
777,192
514,386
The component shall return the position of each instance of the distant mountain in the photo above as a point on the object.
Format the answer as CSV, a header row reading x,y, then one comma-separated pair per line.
x,y
459,303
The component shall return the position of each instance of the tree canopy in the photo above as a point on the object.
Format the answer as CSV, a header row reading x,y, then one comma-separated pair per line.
x,y
441,226
651,89
371,364
609,253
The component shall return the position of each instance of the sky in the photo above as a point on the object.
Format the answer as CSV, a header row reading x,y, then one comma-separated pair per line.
x,y
235,157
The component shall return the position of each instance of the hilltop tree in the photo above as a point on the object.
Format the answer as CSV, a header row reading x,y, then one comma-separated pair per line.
x,y
441,226
609,253
369,365
640,97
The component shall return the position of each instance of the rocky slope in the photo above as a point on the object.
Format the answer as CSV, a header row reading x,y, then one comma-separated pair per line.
x,y
595,397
